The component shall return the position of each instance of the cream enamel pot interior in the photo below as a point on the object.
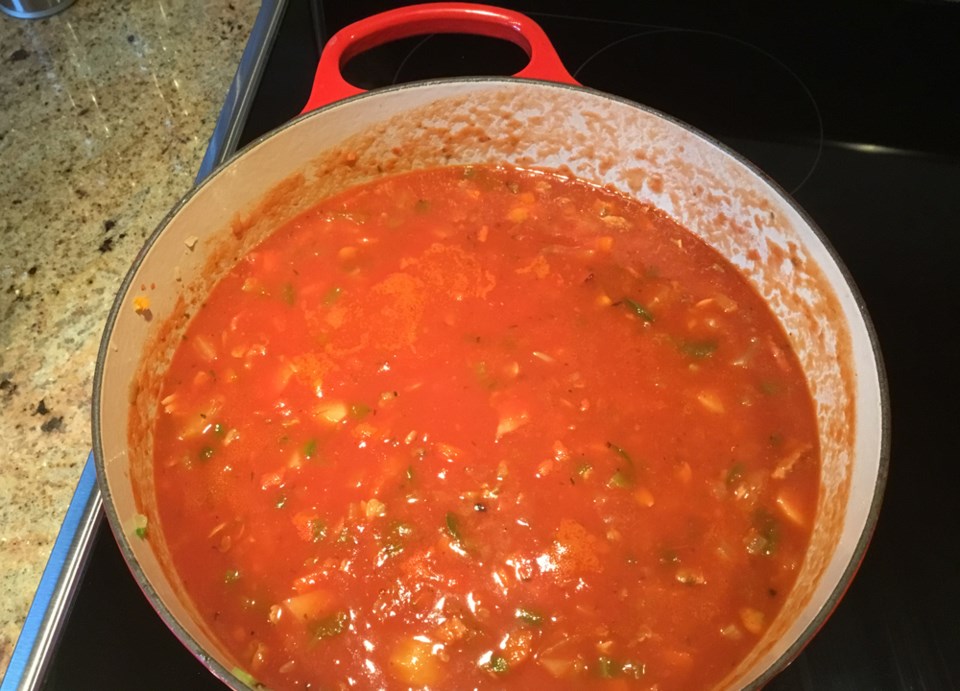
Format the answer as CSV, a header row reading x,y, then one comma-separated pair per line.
x,y
599,138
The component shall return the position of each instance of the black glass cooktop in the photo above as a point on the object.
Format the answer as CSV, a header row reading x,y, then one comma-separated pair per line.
x,y
854,110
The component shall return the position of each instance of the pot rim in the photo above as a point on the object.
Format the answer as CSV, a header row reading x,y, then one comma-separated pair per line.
x,y
227,676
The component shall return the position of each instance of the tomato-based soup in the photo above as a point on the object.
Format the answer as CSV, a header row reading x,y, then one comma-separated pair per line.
x,y
485,428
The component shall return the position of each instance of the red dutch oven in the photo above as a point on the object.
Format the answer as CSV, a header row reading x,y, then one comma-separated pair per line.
x,y
539,118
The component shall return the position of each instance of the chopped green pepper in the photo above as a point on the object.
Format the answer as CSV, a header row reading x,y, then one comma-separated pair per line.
x,y
698,350
310,449
330,626
669,556
318,529
453,526
359,410
607,668
639,310
231,576
735,474
498,664
620,452
528,616
623,477
765,534
140,523
634,670
394,541
244,676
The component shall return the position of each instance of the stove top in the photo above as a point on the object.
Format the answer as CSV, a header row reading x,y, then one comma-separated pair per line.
x,y
854,112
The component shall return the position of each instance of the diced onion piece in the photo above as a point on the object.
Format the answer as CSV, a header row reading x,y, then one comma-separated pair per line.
x,y
205,348
451,630
558,667
518,214
509,423
282,378
276,612
644,497
618,222
413,662
217,528
786,464
690,577
332,412
518,646
447,451
790,506
711,401
373,508
560,659
752,620
259,656
169,404
726,304
731,631
199,421
273,479
311,605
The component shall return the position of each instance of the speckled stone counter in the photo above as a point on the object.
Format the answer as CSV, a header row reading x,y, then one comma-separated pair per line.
x,y
105,112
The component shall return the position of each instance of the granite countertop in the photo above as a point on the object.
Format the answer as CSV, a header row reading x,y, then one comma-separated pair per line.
x,y
105,113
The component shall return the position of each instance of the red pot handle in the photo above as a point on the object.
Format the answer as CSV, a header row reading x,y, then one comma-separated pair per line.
x,y
432,18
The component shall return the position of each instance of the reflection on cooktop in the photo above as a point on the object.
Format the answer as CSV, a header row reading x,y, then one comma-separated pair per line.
x,y
729,88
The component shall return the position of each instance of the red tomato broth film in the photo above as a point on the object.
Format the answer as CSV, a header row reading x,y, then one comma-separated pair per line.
x,y
483,427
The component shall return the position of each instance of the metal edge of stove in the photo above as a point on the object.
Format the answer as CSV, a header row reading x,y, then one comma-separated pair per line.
x,y
67,563
54,594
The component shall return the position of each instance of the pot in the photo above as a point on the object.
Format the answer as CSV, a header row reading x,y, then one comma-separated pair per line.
x,y
527,122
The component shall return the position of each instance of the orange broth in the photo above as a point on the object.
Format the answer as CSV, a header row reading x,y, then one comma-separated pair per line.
x,y
486,428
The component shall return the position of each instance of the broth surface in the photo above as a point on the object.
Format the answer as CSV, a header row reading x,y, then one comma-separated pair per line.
x,y
486,428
